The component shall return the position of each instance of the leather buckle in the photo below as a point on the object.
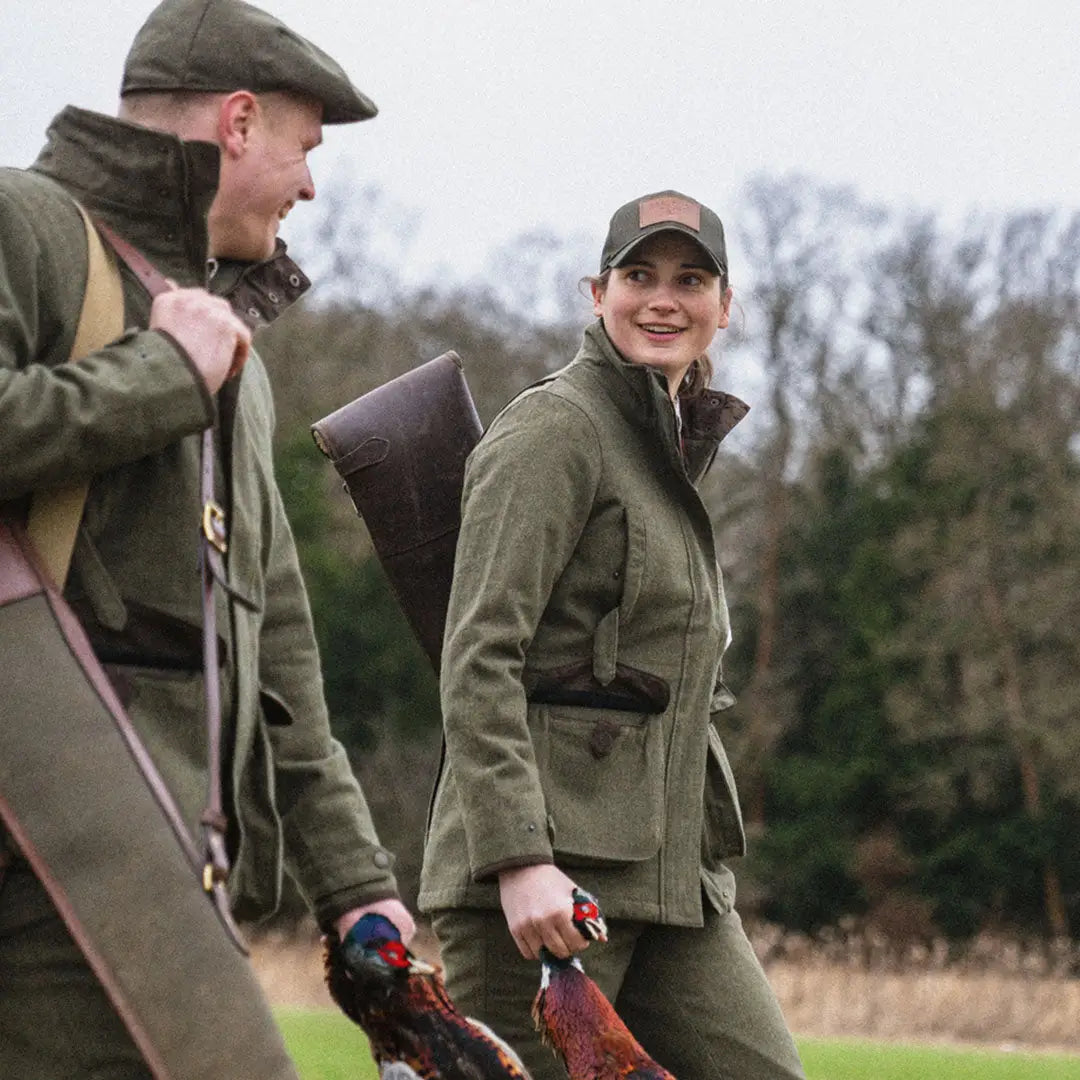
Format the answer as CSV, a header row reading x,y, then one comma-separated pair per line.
x,y
213,526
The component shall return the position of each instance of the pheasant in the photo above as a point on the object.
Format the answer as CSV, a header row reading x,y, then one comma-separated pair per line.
x,y
414,1029
578,1022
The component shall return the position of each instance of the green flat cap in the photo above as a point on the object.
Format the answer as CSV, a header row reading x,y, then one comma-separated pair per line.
x,y
226,45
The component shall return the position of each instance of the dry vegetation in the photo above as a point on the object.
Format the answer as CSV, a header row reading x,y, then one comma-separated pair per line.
x,y
999,994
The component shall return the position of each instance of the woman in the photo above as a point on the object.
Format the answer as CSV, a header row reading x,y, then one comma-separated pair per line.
x,y
581,681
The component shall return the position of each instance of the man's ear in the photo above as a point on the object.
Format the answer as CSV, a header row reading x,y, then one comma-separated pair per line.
x,y
237,117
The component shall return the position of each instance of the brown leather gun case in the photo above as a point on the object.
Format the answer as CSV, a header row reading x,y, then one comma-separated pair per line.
x,y
401,451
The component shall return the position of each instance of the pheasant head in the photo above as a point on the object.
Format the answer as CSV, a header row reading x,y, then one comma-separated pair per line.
x,y
402,1004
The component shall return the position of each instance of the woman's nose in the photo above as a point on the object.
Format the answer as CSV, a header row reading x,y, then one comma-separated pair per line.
x,y
662,299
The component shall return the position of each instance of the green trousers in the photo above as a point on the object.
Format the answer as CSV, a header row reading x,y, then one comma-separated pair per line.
x,y
696,999
56,1023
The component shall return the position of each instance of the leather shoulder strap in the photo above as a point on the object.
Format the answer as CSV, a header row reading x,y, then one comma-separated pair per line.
x,y
55,514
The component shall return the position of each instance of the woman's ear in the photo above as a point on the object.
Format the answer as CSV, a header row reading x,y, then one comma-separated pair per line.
x,y
597,297
725,309
237,116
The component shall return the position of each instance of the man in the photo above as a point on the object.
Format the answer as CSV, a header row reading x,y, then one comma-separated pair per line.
x,y
220,106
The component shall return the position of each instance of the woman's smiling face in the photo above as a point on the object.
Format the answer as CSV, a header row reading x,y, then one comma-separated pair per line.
x,y
662,306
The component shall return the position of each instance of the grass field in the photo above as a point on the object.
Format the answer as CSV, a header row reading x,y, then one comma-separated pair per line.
x,y
849,1059
327,1046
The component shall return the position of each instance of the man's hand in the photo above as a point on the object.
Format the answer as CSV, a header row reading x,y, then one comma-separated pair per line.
x,y
215,339
539,908
394,910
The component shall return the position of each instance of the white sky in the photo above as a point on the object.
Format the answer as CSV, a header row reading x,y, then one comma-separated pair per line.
x,y
496,117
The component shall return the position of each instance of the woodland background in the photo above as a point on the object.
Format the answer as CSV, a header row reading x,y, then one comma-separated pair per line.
x,y
899,526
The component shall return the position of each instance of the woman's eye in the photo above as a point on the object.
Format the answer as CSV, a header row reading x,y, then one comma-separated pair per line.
x,y
692,280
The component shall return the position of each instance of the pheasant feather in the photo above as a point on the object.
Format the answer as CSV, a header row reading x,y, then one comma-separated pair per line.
x,y
578,1022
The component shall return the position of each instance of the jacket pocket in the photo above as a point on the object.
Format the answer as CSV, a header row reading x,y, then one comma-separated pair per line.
x,y
606,637
722,834
602,771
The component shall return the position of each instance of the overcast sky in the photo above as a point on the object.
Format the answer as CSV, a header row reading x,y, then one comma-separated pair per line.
x,y
496,117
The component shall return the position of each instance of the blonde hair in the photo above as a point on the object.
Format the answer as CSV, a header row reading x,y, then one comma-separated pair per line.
x,y
174,111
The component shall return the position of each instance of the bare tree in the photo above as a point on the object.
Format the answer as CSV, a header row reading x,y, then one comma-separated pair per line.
x,y
801,241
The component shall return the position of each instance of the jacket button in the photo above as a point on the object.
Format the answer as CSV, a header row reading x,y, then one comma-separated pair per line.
x,y
381,860
603,739
530,827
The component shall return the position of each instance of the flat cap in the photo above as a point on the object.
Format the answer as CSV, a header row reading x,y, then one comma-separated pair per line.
x,y
226,45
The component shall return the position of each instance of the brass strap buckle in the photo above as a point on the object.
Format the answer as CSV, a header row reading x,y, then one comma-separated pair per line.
x,y
213,876
213,526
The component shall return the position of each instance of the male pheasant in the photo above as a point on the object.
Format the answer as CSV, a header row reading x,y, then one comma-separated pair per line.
x,y
414,1029
578,1022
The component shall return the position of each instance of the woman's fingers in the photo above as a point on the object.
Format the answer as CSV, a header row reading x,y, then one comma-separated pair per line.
x,y
538,904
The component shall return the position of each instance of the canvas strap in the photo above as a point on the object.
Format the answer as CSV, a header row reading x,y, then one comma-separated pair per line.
x,y
54,515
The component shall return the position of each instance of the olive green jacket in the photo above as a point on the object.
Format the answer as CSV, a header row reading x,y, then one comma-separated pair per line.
x,y
130,419
581,663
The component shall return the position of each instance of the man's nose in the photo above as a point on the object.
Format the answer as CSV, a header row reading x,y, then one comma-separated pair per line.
x,y
307,189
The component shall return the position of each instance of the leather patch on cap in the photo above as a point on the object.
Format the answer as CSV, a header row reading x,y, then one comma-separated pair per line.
x,y
669,208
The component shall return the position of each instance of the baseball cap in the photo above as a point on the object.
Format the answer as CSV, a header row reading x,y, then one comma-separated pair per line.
x,y
226,45
660,212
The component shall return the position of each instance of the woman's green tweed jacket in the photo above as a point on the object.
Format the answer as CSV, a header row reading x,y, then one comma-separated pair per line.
x,y
581,664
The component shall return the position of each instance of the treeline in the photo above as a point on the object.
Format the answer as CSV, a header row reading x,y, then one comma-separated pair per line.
x,y
899,521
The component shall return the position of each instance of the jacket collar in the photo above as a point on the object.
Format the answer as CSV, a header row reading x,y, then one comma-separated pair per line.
x,y
641,394
155,190
259,292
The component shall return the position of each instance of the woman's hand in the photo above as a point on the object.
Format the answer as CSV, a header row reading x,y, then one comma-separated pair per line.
x,y
538,904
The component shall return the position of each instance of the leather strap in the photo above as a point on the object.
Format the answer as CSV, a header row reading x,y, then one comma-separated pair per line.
x,y
213,542
54,515
151,278
212,547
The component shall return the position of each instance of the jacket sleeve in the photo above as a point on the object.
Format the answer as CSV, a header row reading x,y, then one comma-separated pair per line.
x,y
62,421
529,490
331,847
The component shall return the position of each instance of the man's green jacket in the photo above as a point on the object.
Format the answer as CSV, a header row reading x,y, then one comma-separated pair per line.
x,y
129,418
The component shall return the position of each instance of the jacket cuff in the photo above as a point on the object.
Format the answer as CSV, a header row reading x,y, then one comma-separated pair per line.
x,y
196,374
329,909
492,871
525,842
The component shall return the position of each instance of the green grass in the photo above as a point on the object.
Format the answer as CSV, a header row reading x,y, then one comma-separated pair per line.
x,y
328,1046
851,1059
